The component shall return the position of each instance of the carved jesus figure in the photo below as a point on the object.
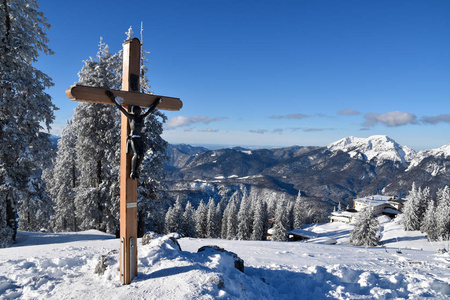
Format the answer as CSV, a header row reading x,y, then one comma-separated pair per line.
x,y
136,120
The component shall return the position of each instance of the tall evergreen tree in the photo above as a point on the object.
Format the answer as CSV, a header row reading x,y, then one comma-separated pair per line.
x,y
429,225
443,214
97,145
245,220
212,219
173,217
188,221
224,225
366,230
232,220
201,219
62,180
411,218
281,224
260,221
25,109
303,212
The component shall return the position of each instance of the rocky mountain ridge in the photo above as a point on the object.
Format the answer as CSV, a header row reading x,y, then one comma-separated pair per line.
x,y
348,168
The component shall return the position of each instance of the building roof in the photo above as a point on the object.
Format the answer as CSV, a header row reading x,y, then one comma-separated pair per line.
x,y
374,200
303,233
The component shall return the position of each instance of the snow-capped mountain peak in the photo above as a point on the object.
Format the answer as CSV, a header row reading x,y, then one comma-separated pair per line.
x,y
377,147
443,152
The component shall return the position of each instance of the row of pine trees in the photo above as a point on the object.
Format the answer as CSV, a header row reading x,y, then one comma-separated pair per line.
x,y
241,217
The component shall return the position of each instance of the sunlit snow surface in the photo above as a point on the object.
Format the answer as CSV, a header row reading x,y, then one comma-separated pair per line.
x,y
61,266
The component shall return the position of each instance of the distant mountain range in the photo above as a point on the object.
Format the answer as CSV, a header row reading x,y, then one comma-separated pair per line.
x,y
348,168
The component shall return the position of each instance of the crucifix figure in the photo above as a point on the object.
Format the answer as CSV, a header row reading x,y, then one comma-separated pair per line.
x,y
136,121
132,122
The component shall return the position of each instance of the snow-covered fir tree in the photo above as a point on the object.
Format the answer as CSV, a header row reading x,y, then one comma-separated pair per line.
x,y
443,214
62,180
232,220
429,225
173,217
260,220
25,110
97,128
245,220
213,220
201,220
303,211
188,221
366,230
224,223
281,223
411,216
220,209
290,213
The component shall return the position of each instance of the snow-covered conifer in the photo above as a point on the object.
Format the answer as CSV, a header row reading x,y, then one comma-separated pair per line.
x,y
224,225
411,219
303,212
443,214
260,221
97,128
366,230
25,108
244,218
232,220
201,218
188,221
62,181
212,219
280,226
174,216
429,225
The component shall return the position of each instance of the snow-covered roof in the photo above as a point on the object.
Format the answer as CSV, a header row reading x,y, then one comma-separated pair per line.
x,y
303,233
389,210
374,200
347,214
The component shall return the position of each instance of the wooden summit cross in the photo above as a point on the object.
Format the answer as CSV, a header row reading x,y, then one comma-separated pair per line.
x,y
128,187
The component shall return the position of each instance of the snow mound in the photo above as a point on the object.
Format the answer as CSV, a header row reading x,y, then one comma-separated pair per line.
x,y
377,147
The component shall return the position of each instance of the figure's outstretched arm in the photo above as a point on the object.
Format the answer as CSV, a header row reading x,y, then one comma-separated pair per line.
x,y
153,107
113,98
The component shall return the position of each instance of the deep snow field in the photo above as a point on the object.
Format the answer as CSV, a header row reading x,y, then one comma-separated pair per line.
x,y
61,266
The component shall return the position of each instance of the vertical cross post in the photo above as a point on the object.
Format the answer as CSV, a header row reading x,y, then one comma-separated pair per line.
x,y
128,186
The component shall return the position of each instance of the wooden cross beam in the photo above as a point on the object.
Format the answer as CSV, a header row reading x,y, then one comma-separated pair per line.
x,y
128,187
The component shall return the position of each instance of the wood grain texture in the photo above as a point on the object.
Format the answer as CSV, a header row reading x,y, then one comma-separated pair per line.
x,y
83,93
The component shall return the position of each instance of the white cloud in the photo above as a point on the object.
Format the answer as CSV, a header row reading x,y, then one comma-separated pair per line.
x,y
258,131
348,112
181,121
445,118
290,116
390,119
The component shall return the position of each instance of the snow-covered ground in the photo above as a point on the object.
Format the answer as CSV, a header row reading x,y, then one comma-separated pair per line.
x,y
61,266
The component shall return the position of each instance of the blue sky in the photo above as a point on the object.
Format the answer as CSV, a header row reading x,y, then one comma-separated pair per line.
x,y
273,73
